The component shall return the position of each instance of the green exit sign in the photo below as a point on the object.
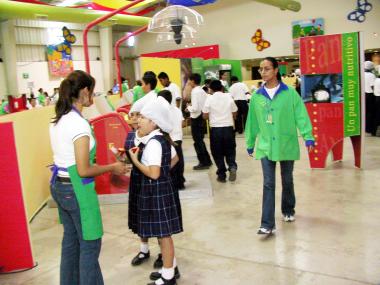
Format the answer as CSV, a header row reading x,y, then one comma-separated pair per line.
x,y
25,75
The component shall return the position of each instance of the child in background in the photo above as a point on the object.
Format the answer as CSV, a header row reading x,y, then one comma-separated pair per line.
x,y
176,135
158,209
221,110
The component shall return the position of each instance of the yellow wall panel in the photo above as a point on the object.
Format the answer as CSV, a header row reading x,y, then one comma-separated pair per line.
x,y
171,66
34,154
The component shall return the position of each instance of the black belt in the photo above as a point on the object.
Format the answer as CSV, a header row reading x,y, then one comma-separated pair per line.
x,y
64,179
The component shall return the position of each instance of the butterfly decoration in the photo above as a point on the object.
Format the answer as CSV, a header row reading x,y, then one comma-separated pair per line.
x,y
257,39
358,15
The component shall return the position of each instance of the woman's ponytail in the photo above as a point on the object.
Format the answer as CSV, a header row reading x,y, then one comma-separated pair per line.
x,y
69,91
64,103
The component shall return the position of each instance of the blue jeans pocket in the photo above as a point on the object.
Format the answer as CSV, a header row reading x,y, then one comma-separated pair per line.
x,y
64,195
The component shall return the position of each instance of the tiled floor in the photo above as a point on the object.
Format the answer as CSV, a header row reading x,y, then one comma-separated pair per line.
x,y
335,239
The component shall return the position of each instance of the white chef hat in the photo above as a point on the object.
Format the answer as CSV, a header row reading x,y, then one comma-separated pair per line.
x,y
158,111
368,65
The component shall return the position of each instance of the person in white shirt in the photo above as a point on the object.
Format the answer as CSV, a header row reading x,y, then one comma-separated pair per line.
x,y
149,83
239,92
172,87
369,81
223,79
73,185
221,109
158,211
376,93
198,99
176,135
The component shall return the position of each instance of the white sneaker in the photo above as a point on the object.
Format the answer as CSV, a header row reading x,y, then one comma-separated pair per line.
x,y
264,231
289,218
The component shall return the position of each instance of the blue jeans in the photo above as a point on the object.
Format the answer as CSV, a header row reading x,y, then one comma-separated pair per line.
x,y
288,201
79,258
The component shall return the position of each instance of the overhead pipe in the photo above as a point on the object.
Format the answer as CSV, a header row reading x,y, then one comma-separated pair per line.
x,y
291,5
117,55
98,21
20,10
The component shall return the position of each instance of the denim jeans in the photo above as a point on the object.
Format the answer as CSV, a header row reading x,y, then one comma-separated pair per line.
x,y
288,200
223,149
79,258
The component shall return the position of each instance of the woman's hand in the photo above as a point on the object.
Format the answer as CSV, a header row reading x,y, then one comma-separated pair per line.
x,y
119,168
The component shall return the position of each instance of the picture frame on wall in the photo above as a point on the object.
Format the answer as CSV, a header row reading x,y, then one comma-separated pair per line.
x,y
306,28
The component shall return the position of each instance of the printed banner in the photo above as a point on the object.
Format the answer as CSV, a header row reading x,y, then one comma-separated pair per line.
x,y
351,84
59,56
306,28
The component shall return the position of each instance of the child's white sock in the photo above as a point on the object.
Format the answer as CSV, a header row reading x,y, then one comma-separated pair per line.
x,y
167,273
144,247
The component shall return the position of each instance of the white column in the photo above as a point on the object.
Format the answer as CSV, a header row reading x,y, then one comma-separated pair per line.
x,y
9,56
106,53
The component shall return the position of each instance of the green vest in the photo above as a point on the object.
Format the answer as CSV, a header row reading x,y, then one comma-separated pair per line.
x,y
91,219
274,124
138,93
41,99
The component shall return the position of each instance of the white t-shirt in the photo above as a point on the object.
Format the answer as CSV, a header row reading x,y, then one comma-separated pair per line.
x,y
376,87
198,99
220,107
152,153
238,91
176,117
139,104
176,93
63,135
369,81
224,83
272,91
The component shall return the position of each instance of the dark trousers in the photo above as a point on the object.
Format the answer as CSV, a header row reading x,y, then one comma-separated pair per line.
x,y
376,115
369,112
79,258
197,131
241,117
223,147
177,171
288,200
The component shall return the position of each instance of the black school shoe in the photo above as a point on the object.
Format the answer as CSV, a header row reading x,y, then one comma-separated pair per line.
x,y
158,263
172,281
157,275
201,166
221,179
140,258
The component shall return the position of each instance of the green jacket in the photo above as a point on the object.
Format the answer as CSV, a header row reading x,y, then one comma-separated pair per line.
x,y
274,124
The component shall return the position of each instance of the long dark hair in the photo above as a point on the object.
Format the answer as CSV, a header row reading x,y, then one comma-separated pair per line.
x,y
69,90
275,65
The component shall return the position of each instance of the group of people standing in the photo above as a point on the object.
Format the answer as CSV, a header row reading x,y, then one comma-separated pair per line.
x,y
157,164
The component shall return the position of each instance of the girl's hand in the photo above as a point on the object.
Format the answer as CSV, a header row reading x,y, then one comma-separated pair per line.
x,y
134,152
119,168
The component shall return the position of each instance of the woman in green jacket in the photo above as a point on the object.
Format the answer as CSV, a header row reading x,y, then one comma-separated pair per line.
x,y
276,111
72,183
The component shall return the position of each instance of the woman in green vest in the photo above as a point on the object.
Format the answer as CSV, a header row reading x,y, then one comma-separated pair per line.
x,y
276,111
72,183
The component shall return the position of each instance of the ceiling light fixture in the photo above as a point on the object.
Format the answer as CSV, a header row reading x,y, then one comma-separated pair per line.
x,y
176,23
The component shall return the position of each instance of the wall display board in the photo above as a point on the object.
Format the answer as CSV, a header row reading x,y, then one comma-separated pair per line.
x,y
59,56
306,28
332,89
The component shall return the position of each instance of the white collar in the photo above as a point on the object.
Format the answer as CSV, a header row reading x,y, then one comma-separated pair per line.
x,y
145,139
